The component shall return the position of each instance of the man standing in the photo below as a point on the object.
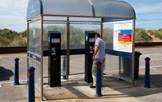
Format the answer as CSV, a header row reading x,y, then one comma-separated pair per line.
x,y
99,56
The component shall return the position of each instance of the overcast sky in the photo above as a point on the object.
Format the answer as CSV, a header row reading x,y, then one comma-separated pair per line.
x,y
13,13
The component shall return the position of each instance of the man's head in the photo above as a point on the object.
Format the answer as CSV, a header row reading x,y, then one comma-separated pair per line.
x,y
97,35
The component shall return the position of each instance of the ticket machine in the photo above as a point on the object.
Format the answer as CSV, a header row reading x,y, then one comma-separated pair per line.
x,y
89,46
54,58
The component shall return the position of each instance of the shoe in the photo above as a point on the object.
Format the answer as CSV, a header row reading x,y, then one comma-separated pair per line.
x,y
92,86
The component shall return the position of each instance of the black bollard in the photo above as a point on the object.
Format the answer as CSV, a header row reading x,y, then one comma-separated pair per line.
x,y
31,86
16,72
147,73
98,79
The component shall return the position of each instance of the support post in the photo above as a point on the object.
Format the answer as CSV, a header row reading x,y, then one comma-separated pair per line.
x,y
16,72
98,79
68,48
64,69
31,86
147,73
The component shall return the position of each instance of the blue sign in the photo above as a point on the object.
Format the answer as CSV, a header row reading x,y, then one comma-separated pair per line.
x,y
127,31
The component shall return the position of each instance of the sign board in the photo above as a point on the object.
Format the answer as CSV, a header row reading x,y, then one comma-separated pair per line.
x,y
56,40
91,39
122,36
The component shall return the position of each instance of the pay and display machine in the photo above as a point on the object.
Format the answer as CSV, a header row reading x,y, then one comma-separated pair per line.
x,y
54,58
89,46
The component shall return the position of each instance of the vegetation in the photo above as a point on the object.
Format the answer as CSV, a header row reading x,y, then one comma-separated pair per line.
x,y
142,35
9,38
156,33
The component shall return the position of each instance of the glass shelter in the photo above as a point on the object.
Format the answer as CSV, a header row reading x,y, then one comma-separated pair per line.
x,y
115,20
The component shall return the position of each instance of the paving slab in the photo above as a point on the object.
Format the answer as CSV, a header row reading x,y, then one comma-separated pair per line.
x,y
12,93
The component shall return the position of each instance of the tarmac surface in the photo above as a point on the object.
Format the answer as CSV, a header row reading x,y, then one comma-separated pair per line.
x,y
76,90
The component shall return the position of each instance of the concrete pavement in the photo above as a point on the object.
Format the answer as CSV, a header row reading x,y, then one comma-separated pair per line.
x,y
11,93
76,90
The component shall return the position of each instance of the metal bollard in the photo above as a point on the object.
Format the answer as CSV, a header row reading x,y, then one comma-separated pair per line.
x,y
16,72
31,86
147,73
98,79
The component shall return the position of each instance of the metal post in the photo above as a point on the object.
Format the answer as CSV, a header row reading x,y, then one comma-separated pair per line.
x,y
27,45
64,74
16,75
31,86
133,52
120,67
68,48
147,73
101,27
41,64
98,79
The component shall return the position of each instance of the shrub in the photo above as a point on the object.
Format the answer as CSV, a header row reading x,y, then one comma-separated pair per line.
x,y
141,35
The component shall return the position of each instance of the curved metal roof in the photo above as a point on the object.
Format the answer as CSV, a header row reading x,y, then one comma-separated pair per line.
x,y
110,10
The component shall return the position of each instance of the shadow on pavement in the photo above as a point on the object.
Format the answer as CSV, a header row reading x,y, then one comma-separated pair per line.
x,y
138,90
5,74
78,89
156,80
66,91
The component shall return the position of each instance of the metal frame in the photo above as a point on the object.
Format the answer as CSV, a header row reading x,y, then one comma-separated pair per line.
x,y
133,52
121,17
68,47
27,46
101,27
42,29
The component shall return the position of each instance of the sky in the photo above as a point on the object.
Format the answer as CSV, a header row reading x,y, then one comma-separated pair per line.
x,y
148,13
13,14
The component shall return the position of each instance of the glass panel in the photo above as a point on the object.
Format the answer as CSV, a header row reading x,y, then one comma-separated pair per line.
x,y
108,35
35,37
37,65
126,68
67,7
77,64
34,8
78,26
77,34
112,65
54,27
35,50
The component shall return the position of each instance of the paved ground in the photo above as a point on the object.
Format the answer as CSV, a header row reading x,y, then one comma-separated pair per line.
x,y
76,90
11,93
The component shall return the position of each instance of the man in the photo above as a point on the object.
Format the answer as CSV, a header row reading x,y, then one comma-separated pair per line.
x,y
99,56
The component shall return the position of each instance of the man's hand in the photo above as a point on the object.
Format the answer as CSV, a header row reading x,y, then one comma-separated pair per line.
x,y
93,58
96,49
